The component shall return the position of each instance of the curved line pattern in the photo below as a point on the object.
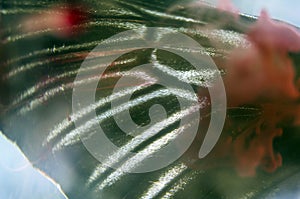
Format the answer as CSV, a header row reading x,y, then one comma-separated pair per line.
x,y
75,134
40,85
136,141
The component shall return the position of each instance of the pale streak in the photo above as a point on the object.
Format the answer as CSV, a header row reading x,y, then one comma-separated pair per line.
x,y
54,91
61,49
113,11
118,11
26,67
73,136
199,78
164,15
210,52
139,157
236,40
22,11
75,116
179,185
163,181
123,24
34,89
17,37
33,65
26,3
232,38
153,130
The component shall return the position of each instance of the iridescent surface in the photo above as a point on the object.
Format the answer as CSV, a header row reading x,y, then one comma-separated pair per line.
x,y
38,67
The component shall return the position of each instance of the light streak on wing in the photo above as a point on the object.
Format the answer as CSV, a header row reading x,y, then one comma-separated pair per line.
x,y
31,66
228,37
179,184
124,150
117,24
26,3
74,135
26,67
35,88
113,11
232,38
195,77
139,157
75,116
22,11
208,50
163,181
60,49
38,101
163,14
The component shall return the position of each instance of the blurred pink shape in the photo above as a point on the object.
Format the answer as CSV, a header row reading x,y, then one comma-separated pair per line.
x,y
263,74
264,71
60,20
268,33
